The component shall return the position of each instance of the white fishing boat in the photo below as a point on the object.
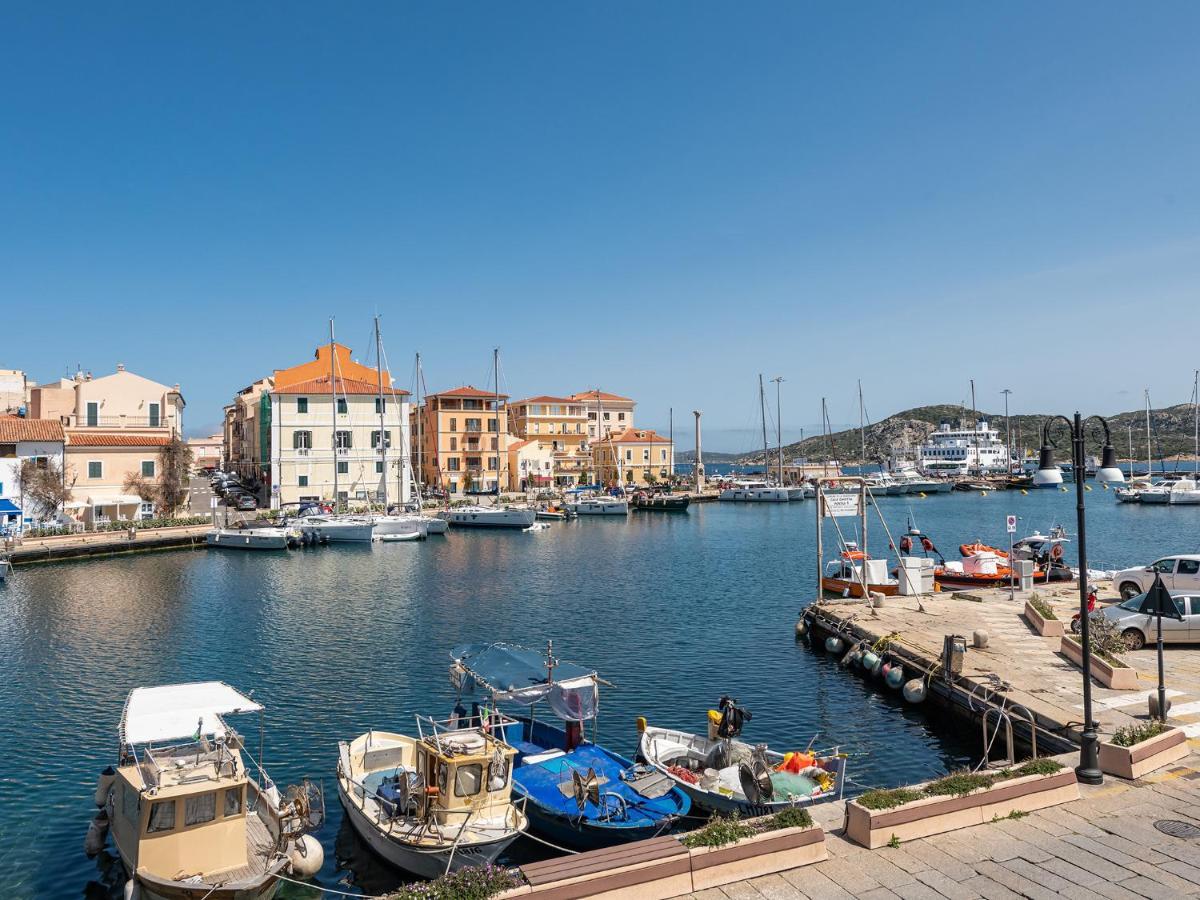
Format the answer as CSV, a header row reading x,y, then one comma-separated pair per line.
x,y
189,820
746,491
598,505
489,517
252,538
910,481
723,775
434,803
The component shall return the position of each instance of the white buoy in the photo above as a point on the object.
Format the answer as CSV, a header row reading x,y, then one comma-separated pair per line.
x,y
306,857
895,677
914,690
97,834
869,659
833,644
801,628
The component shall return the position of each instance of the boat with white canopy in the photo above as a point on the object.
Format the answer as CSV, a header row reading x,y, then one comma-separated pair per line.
x,y
434,803
189,818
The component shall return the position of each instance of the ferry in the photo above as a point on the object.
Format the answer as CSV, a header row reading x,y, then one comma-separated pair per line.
x,y
954,452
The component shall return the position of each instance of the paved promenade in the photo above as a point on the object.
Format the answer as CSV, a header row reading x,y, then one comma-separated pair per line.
x,y
1104,845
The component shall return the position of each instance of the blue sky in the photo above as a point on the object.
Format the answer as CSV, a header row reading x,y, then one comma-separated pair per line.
x,y
661,199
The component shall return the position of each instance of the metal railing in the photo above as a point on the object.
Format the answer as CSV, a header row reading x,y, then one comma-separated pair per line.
x,y
85,421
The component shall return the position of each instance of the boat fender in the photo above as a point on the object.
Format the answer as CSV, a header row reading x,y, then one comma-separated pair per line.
x,y
104,785
914,690
869,660
306,856
97,834
877,669
833,644
801,628
132,890
887,667
641,724
1024,493
848,659
895,678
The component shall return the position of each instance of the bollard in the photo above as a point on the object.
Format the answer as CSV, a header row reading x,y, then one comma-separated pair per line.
x,y
979,639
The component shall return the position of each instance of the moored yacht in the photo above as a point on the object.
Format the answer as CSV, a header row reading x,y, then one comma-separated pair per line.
x,y
746,491
337,529
253,538
598,505
488,517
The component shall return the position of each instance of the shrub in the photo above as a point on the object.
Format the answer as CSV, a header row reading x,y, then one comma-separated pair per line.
x,y
1042,607
472,883
1135,734
718,832
956,784
888,798
793,817
1043,766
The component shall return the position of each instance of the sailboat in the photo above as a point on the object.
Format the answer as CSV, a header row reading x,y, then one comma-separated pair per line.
x,y
745,490
492,516
433,525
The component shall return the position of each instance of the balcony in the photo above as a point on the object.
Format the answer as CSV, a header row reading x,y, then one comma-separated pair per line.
x,y
74,421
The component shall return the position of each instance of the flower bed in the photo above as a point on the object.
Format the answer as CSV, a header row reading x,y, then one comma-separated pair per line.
x,y
1138,750
1108,670
728,850
878,818
1039,614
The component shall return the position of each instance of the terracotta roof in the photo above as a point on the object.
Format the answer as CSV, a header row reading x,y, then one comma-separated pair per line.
x,y
598,395
15,428
635,436
108,439
344,386
519,444
542,399
469,391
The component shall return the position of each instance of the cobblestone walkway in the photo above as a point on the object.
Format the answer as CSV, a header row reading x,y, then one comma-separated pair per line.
x,y
1104,845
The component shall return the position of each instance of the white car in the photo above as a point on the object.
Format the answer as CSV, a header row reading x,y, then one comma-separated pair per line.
x,y
1179,573
1139,629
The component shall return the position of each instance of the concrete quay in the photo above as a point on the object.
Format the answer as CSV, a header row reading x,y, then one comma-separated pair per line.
x,y
1103,845
106,543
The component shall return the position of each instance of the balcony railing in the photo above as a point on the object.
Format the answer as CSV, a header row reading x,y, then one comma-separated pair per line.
x,y
73,421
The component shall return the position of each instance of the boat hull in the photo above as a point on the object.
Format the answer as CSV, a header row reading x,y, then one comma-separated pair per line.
x,y
249,539
671,504
600,508
154,889
755,495
390,525
855,588
505,518
340,532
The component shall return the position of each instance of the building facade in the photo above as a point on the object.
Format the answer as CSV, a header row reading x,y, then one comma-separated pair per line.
x,y
14,392
560,427
634,457
21,440
605,412
464,441
530,466
324,435
247,435
207,452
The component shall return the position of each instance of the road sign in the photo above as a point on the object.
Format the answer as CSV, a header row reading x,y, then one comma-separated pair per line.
x,y
1012,524
839,505
212,502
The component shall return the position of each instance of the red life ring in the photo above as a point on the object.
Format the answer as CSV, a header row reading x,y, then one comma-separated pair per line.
x,y
927,544
905,544
1056,551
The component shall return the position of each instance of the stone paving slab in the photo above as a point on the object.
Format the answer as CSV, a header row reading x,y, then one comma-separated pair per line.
x,y
1103,845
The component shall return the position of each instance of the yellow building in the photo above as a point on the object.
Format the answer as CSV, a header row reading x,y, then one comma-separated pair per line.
x,y
560,427
463,440
634,456
605,412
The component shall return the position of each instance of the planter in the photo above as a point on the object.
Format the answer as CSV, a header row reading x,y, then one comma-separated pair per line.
x,y
1140,759
873,828
1044,627
651,869
1119,678
761,854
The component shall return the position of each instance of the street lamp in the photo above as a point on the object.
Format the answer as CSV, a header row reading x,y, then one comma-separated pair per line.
x,y
1088,770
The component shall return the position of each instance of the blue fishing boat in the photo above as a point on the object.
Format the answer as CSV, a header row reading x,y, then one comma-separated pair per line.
x,y
576,793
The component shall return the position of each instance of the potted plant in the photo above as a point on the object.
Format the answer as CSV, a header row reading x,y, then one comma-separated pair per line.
x,y
730,849
1135,750
1040,615
958,800
1107,644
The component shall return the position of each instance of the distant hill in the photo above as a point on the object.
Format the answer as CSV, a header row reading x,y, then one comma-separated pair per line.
x,y
689,456
1171,434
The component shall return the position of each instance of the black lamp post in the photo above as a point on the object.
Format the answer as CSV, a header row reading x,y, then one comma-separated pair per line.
x,y
1088,770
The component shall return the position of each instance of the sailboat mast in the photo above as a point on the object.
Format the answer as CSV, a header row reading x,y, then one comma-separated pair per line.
x,y
975,428
333,415
1131,451
671,436
1196,425
762,404
420,442
778,379
862,430
382,419
825,434
1149,458
496,376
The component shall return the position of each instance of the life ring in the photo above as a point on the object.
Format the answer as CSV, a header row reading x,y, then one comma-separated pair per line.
x,y
905,544
927,544
1056,551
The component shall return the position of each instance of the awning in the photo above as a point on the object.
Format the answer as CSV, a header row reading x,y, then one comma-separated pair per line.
x,y
8,508
113,499
176,711
512,673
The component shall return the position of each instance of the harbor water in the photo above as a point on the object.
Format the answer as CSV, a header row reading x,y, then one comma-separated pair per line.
x,y
674,609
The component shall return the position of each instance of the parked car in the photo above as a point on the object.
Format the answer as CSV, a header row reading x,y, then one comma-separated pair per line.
x,y
1179,573
245,501
1139,628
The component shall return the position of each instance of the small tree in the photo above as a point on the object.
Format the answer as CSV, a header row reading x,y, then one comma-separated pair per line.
x,y
175,461
44,488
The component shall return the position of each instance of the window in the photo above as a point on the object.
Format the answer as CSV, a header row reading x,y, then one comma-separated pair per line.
x,y
645,454
343,468
620,417
467,780
606,417
1164,566
302,481
452,464
301,440
302,405
341,406
387,439
498,775
200,809
453,444
380,405
536,427
155,414
233,801
495,443
453,424
162,817
628,456
95,468
147,468
93,415
493,463
473,424
343,440
379,467
1188,567
129,803
492,424
8,451
662,455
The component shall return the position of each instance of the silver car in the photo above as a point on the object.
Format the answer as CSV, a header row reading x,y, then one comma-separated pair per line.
x,y
1139,628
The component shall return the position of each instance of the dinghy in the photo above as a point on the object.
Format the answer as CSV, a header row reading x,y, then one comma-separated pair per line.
x,y
407,536
577,794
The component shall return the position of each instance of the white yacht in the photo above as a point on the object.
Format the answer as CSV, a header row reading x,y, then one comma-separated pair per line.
x,y
252,538
598,505
403,523
957,452
190,820
745,491
488,517
337,529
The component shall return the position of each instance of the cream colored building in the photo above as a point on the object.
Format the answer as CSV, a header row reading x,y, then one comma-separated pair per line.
x,y
605,412
530,465
560,427
116,426
326,441
207,452
464,440
634,456
14,391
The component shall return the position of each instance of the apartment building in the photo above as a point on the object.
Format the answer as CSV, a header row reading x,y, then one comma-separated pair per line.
x,y
22,440
463,440
634,456
605,412
559,425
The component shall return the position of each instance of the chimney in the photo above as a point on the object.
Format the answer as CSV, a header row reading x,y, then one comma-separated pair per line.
x,y
120,367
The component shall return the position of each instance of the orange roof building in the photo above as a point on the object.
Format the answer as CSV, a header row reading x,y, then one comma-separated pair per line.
x,y
461,439
605,412
634,456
